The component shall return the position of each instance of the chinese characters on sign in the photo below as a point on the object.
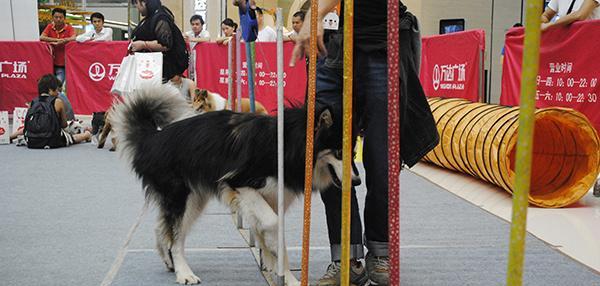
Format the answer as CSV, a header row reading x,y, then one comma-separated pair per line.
x,y
449,77
13,69
263,77
562,86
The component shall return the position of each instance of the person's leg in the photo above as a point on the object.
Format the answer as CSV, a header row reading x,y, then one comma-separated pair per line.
x,y
60,73
16,134
329,91
333,210
81,137
371,85
375,151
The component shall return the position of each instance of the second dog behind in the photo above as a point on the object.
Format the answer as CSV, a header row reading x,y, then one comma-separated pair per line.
x,y
206,101
105,130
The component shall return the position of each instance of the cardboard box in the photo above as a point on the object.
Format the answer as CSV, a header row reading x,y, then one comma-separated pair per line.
x,y
4,131
19,118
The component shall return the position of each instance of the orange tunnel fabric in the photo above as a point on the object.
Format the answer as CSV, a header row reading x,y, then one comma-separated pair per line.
x,y
480,140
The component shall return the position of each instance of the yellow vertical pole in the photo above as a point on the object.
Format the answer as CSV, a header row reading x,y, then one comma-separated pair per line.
x,y
531,54
347,139
310,126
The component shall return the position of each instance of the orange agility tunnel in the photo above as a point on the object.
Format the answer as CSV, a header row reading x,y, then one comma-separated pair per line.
x,y
480,140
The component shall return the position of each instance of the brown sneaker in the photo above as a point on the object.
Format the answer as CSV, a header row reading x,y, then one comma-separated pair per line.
x,y
379,269
358,275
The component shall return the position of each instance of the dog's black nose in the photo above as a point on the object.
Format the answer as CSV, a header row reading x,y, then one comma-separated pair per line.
x,y
355,177
356,181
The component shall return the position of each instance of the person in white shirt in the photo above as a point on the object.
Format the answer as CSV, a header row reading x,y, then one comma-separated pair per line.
x,y
265,33
99,33
197,34
569,11
297,22
185,86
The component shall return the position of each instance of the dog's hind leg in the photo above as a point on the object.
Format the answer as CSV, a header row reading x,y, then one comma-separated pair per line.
x,y
178,213
104,134
164,242
114,144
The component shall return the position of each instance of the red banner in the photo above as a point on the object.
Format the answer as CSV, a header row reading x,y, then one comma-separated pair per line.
x,y
22,64
91,70
212,73
452,65
569,65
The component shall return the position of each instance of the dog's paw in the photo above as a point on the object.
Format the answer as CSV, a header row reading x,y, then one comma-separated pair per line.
x,y
290,280
269,261
188,278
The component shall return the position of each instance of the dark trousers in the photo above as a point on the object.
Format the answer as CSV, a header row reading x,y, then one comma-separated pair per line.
x,y
370,118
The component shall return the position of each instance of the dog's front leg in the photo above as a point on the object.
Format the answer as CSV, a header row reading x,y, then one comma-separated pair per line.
x,y
263,219
290,279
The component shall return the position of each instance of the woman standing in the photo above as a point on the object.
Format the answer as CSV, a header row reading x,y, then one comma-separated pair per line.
x,y
157,32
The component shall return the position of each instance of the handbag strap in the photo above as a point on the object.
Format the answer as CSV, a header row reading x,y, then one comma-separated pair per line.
x,y
571,7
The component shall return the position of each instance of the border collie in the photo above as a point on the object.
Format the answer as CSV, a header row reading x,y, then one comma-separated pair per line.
x,y
183,160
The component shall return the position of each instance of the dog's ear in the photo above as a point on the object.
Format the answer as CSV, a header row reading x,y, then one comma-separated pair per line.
x,y
203,93
325,119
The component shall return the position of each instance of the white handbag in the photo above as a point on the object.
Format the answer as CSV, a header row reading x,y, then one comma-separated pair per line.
x,y
137,70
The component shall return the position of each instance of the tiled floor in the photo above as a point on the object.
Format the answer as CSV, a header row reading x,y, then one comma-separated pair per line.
x,y
573,230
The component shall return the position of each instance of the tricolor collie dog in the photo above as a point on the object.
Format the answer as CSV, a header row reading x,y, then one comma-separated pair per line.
x,y
183,160
206,101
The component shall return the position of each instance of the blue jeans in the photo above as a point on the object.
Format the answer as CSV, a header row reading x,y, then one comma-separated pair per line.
x,y
370,117
60,73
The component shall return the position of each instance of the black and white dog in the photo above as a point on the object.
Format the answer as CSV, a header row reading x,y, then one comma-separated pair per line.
x,y
184,160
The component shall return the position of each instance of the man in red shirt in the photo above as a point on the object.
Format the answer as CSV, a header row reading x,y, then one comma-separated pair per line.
x,y
58,33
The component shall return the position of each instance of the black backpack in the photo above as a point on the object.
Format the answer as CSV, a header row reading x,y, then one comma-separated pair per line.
x,y
179,50
42,127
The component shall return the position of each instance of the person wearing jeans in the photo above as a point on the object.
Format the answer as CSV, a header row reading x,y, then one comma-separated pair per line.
x,y
58,34
369,114
370,96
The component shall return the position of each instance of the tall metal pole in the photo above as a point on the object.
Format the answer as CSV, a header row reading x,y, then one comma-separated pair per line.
x,y
310,126
280,150
230,73
347,138
238,63
394,141
531,61
250,53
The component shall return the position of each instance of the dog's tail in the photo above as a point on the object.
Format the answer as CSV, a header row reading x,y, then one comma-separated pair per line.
x,y
143,113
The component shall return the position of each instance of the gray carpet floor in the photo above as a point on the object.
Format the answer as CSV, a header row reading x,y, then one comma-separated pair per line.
x,y
66,214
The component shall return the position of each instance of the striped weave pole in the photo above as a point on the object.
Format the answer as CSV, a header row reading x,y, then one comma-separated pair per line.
x,y
310,126
347,139
394,141
232,73
531,60
238,63
250,56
